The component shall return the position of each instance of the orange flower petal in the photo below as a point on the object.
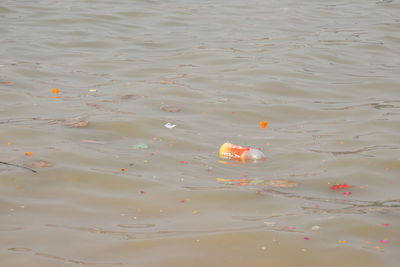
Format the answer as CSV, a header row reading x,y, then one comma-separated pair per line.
x,y
28,153
55,90
8,82
263,124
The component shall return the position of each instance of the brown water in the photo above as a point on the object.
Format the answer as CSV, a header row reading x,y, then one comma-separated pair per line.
x,y
124,190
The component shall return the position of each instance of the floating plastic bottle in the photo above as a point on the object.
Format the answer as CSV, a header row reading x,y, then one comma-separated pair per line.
x,y
240,153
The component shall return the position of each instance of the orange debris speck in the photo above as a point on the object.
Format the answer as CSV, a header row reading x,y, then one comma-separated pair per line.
x,y
55,90
122,169
28,153
263,124
8,82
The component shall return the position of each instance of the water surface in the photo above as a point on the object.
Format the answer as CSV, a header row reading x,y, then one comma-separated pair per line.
x,y
124,190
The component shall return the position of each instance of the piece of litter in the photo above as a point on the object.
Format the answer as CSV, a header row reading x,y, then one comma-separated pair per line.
x,y
55,90
257,181
282,183
93,90
28,153
169,108
385,224
140,146
240,153
38,164
93,141
167,82
315,228
76,122
169,125
263,124
384,241
306,238
8,83
347,193
339,186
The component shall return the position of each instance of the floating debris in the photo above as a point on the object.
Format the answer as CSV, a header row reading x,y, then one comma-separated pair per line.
x,y
168,108
132,96
76,122
339,186
93,141
9,83
140,146
19,166
38,164
263,124
240,153
274,183
170,125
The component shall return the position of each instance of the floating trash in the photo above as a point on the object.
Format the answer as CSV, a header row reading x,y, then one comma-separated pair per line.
x,y
169,108
263,124
169,125
140,146
240,153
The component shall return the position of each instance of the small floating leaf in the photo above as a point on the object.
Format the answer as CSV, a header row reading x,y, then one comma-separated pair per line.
x,y
140,146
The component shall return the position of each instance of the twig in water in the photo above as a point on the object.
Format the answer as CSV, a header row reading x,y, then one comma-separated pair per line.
x,y
19,166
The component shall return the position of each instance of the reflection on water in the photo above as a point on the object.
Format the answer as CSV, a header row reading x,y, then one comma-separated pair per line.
x,y
112,113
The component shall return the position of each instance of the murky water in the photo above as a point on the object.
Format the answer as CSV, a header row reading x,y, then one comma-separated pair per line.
x,y
91,176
